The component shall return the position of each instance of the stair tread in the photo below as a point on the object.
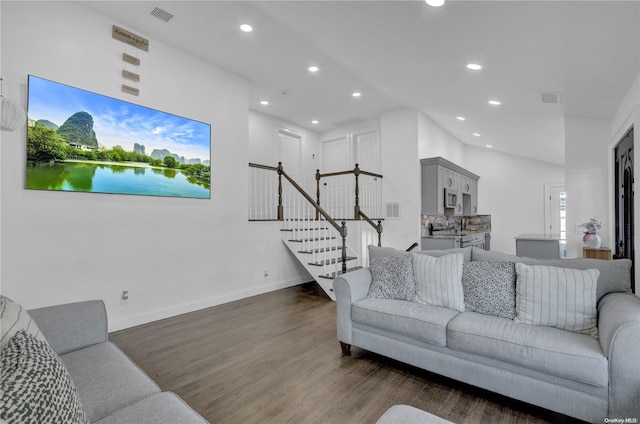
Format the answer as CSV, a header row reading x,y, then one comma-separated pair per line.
x,y
305,229
331,261
321,250
312,239
334,275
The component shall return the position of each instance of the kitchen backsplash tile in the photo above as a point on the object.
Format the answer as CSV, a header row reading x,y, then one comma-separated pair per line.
x,y
474,223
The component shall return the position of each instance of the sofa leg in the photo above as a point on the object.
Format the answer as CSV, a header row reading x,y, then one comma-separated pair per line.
x,y
346,348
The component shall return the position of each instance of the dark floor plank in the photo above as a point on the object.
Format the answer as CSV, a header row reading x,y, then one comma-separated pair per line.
x,y
274,358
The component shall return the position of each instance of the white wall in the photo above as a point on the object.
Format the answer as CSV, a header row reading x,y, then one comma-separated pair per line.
x,y
401,170
263,131
586,179
434,141
173,255
511,190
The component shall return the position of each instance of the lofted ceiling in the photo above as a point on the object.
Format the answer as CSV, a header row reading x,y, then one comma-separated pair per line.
x,y
407,54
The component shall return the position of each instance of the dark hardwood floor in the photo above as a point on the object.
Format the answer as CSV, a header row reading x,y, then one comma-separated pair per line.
x,y
274,358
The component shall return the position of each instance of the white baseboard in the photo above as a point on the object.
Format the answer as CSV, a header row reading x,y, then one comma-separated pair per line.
x,y
133,320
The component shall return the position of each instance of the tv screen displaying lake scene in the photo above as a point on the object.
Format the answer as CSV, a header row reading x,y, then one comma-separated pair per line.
x,y
82,141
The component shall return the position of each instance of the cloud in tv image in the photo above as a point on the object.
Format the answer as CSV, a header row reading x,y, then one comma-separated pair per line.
x,y
82,141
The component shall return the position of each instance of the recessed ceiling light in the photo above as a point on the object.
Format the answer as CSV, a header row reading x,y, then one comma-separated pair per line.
x,y
489,146
434,3
313,68
356,94
264,102
474,66
495,102
314,122
246,28
461,118
476,135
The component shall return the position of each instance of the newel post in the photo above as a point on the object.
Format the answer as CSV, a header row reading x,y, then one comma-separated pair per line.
x,y
280,207
379,230
356,208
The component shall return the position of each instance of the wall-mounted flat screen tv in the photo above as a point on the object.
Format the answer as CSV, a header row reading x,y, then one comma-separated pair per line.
x,y
82,141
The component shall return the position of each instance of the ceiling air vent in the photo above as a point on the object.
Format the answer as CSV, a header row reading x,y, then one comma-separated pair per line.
x,y
163,15
551,98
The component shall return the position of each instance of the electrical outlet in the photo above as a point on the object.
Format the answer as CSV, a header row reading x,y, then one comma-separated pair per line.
x,y
124,299
266,272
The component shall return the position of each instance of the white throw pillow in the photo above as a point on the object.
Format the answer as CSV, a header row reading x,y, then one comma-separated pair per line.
x,y
564,298
14,318
439,280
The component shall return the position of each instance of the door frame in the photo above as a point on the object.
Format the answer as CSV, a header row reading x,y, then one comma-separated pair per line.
x,y
614,184
547,205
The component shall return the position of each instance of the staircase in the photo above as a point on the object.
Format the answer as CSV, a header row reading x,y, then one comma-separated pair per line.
x,y
316,239
318,247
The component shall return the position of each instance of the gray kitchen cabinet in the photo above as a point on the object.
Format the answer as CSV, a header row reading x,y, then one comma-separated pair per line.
x,y
474,197
439,174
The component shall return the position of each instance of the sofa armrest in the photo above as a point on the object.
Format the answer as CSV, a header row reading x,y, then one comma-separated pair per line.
x,y
619,332
349,288
72,326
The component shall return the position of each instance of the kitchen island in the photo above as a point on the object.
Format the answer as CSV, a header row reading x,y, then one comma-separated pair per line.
x,y
543,246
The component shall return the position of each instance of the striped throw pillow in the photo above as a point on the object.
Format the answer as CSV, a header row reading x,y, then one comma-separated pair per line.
x,y
14,318
564,298
439,280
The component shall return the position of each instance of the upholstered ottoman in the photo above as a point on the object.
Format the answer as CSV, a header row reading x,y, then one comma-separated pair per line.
x,y
403,414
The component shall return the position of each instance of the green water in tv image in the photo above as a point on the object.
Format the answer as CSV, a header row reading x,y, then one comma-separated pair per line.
x,y
115,178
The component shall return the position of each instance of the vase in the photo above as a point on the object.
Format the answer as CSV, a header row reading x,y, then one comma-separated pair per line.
x,y
592,240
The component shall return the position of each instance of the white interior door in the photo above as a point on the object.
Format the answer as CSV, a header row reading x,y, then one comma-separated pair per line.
x,y
367,151
555,200
337,155
336,197
289,147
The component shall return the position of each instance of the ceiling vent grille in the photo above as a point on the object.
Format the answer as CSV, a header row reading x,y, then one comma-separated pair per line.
x,y
163,15
551,98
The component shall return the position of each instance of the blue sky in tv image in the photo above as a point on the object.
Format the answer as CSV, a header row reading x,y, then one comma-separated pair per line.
x,y
120,123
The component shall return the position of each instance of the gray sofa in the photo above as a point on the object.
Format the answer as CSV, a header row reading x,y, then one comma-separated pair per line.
x,y
590,378
112,389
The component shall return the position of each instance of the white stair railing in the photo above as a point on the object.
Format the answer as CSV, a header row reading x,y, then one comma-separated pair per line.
x,y
343,193
317,239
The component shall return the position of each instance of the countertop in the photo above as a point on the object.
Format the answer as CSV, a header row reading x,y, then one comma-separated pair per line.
x,y
445,235
542,237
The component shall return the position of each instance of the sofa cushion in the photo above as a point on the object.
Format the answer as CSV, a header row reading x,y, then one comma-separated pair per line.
x,y
439,280
161,408
557,297
565,354
35,386
615,276
392,278
422,322
14,318
106,379
490,288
